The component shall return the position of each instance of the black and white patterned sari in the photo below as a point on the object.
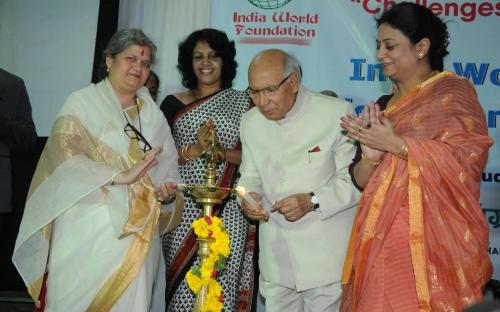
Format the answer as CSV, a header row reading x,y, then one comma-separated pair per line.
x,y
179,246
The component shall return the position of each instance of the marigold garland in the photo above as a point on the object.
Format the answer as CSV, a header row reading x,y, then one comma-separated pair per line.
x,y
210,228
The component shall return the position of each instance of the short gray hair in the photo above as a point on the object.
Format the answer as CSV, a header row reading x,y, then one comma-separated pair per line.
x,y
121,40
291,65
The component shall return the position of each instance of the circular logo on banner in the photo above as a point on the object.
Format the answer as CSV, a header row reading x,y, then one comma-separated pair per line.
x,y
269,4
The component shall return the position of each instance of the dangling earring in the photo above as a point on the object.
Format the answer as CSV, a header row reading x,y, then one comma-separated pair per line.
x,y
107,69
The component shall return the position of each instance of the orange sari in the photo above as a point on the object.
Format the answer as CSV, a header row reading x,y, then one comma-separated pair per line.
x,y
420,239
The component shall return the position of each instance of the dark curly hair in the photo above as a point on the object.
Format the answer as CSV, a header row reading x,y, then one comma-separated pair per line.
x,y
223,47
417,22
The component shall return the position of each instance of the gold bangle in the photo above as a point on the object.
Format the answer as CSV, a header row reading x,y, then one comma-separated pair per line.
x,y
189,157
184,153
373,163
403,152
223,154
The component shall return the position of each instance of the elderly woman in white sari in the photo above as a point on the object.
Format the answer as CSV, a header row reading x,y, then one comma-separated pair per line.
x,y
94,212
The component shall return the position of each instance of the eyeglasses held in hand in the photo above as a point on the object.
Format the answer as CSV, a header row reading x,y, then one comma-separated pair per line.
x,y
135,134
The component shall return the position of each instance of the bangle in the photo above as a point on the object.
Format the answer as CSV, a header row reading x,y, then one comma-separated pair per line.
x,y
190,157
403,152
373,163
223,154
185,153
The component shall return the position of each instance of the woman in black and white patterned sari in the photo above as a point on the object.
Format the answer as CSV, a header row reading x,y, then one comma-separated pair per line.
x,y
206,62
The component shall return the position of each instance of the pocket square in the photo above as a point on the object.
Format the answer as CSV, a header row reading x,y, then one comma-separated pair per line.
x,y
314,150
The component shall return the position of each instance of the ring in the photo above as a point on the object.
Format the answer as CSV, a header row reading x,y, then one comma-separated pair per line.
x,y
367,125
360,129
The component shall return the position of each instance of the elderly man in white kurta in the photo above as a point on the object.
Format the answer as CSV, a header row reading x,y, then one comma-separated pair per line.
x,y
295,165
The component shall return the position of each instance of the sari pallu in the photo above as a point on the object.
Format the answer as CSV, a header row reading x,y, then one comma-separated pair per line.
x,y
226,108
445,130
90,238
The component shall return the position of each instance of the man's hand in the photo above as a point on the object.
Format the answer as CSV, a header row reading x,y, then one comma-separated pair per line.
x,y
294,206
254,212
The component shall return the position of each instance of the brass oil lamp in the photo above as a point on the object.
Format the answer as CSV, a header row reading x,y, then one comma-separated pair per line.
x,y
207,195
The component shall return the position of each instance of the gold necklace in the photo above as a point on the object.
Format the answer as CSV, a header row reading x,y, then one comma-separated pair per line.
x,y
432,73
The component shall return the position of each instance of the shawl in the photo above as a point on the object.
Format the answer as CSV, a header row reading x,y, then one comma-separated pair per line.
x,y
86,148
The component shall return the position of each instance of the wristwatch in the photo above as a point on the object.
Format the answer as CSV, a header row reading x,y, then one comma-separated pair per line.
x,y
314,200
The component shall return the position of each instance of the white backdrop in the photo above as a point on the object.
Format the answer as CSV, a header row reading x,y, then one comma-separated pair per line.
x,y
335,42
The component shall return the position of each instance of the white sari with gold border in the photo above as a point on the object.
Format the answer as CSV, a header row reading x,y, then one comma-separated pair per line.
x,y
94,239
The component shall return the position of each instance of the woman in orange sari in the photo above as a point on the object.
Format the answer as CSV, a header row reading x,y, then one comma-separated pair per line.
x,y
419,242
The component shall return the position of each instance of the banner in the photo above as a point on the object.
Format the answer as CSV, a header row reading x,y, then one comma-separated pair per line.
x,y
335,43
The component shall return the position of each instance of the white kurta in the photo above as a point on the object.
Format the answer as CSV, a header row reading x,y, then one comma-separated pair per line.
x,y
304,152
